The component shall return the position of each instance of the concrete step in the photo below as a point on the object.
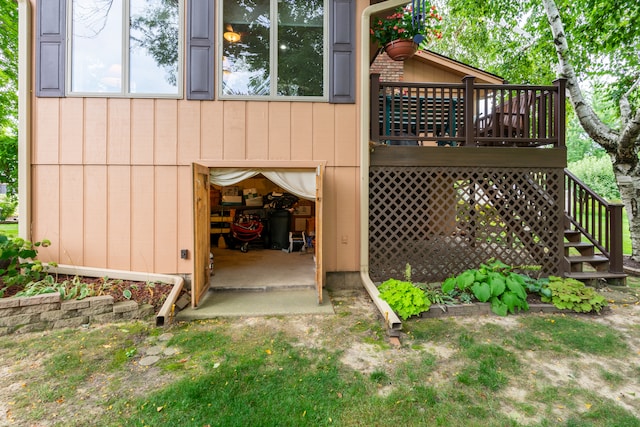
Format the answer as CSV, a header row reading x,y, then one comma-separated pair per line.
x,y
252,303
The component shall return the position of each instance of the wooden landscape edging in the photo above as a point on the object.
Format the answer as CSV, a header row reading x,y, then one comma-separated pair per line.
x,y
484,309
165,311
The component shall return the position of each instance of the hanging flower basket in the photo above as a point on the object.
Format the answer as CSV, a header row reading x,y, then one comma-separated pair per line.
x,y
401,49
416,24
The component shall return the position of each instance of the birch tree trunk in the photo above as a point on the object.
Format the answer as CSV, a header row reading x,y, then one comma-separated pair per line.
x,y
621,145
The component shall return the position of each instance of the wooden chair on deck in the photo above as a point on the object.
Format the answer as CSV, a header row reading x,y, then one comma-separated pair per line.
x,y
509,119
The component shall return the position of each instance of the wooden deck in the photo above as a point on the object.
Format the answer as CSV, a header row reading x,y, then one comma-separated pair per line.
x,y
502,191
467,114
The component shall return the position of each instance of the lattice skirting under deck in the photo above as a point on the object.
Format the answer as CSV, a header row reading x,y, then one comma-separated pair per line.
x,y
444,220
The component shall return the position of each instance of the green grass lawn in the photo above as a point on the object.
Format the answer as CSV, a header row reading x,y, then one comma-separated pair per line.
x,y
533,370
626,239
9,229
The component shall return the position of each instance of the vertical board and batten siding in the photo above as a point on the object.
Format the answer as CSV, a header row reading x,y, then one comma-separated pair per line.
x,y
95,206
119,131
136,215
416,70
430,67
112,180
118,212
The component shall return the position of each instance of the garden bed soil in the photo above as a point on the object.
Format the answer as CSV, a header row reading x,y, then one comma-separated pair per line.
x,y
153,293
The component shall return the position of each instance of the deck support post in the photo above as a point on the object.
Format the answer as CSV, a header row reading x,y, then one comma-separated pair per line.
x,y
469,103
561,111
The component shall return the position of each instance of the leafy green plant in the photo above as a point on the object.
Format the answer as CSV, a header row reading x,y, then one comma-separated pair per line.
x,y
7,207
68,289
437,297
18,262
404,297
494,282
571,294
539,286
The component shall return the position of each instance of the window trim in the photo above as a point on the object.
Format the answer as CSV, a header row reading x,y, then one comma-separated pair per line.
x,y
272,59
124,93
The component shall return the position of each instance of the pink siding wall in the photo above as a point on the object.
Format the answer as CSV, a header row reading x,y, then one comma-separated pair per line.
x,y
112,177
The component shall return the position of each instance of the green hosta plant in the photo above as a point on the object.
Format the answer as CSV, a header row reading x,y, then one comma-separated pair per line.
x,y
494,282
404,298
68,289
539,286
571,294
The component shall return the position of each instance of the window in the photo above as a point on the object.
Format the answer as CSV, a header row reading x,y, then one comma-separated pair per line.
x,y
125,47
273,48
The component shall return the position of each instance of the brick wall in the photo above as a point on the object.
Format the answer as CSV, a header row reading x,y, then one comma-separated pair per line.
x,y
48,311
389,70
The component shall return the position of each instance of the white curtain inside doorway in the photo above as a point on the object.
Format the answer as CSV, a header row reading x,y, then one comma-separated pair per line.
x,y
301,182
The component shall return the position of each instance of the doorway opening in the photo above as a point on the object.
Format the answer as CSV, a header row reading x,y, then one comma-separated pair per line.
x,y
259,228
262,237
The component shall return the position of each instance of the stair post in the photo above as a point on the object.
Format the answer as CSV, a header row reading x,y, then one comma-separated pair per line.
x,y
615,231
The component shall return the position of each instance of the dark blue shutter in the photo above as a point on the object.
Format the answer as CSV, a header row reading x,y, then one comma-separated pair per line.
x,y
342,52
50,47
200,49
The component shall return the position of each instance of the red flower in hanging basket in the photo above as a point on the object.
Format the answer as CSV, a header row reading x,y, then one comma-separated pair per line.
x,y
422,26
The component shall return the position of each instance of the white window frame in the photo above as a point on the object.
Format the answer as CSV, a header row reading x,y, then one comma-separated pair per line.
x,y
125,92
273,59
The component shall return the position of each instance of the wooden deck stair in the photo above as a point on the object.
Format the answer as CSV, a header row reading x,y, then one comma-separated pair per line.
x,y
585,263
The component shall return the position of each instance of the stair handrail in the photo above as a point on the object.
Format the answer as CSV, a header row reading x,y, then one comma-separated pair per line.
x,y
597,219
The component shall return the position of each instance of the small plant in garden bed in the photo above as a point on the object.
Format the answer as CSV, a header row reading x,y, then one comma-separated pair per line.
x,y
80,287
23,275
19,264
570,294
494,282
405,298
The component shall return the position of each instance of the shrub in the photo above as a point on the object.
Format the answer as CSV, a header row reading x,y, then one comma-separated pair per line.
x,y
404,298
7,207
597,173
18,262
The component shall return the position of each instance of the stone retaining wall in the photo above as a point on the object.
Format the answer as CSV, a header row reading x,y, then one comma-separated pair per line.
x,y
48,311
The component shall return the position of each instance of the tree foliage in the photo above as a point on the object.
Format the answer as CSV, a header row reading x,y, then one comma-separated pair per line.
x,y
594,44
512,38
153,35
597,173
506,37
9,94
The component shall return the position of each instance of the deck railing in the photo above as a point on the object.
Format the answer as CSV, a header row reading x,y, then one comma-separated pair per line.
x,y
467,114
598,220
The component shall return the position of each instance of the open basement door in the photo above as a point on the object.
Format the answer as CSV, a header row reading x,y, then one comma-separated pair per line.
x,y
201,249
303,180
